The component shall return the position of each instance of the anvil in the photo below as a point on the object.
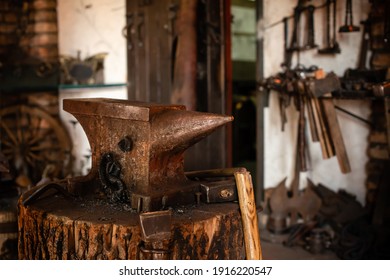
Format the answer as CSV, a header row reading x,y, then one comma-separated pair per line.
x,y
138,150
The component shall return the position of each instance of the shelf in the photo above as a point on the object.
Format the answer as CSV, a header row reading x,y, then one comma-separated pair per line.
x,y
98,86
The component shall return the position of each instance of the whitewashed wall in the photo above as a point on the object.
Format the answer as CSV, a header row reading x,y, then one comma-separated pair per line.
x,y
94,26
280,146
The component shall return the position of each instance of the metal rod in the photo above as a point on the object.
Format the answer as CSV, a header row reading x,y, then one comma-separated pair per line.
x,y
353,115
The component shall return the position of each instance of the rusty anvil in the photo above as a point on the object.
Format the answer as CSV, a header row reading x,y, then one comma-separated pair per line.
x,y
138,150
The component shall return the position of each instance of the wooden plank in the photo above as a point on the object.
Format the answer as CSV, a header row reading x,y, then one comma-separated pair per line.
x,y
325,139
302,136
184,82
326,148
312,122
335,132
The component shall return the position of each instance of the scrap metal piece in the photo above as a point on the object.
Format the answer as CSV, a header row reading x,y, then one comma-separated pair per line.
x,y
156,234
42,189
156,226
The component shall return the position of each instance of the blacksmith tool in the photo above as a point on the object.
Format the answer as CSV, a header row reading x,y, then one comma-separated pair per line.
x,y
348,25
294,44
331,83
156,234
138,150
222,191
296,36
365,45
40,190
310,44
332,47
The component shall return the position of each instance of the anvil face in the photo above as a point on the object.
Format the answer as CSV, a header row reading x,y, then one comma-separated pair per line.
x,y
137,148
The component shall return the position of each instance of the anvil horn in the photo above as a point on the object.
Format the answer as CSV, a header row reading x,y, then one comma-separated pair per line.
x,y
177,130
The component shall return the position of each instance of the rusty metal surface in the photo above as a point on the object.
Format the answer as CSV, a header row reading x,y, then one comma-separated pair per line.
x,y
138,150
219,191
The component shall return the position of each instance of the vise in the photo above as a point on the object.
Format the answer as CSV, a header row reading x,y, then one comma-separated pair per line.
x,y
138,151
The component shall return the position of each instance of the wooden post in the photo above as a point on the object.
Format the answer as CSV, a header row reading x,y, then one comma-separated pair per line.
x,y
184,84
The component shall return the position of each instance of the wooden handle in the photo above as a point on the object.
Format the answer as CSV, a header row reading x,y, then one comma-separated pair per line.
x,y
211,173
337,137
249,215
302,136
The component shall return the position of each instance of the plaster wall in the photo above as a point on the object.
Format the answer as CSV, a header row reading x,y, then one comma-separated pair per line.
x,y
279,147
93,27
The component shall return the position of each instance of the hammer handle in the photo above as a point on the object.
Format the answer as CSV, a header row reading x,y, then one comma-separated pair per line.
x,y
247,204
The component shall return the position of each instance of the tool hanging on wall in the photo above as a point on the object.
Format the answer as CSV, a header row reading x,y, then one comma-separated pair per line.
x,y
295,44
365,45
306,86
332,46
348,26
310,43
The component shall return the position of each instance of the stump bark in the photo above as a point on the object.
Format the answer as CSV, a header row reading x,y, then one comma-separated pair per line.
x,y
61,228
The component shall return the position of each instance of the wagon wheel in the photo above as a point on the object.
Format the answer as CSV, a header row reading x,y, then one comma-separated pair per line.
x,y
34,142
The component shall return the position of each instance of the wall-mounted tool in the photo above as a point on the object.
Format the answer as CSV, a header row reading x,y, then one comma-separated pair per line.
x,y
295,43
348,26
332,46
310,43
365,45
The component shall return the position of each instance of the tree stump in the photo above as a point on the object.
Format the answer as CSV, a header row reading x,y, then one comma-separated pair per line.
x,y
55,227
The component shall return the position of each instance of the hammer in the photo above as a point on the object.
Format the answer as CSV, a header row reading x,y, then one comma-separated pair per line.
x,y
246,200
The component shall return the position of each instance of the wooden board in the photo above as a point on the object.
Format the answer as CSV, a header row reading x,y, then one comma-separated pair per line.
x,y
337,137
59,228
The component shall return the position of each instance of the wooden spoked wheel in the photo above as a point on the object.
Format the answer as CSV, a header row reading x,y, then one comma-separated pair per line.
x,y
34,142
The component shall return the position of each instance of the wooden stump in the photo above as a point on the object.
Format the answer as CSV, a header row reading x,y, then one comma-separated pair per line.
x,y
59,228
8,229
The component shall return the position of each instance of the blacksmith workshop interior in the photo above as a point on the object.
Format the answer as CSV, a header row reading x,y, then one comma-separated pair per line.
x,y
195,129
